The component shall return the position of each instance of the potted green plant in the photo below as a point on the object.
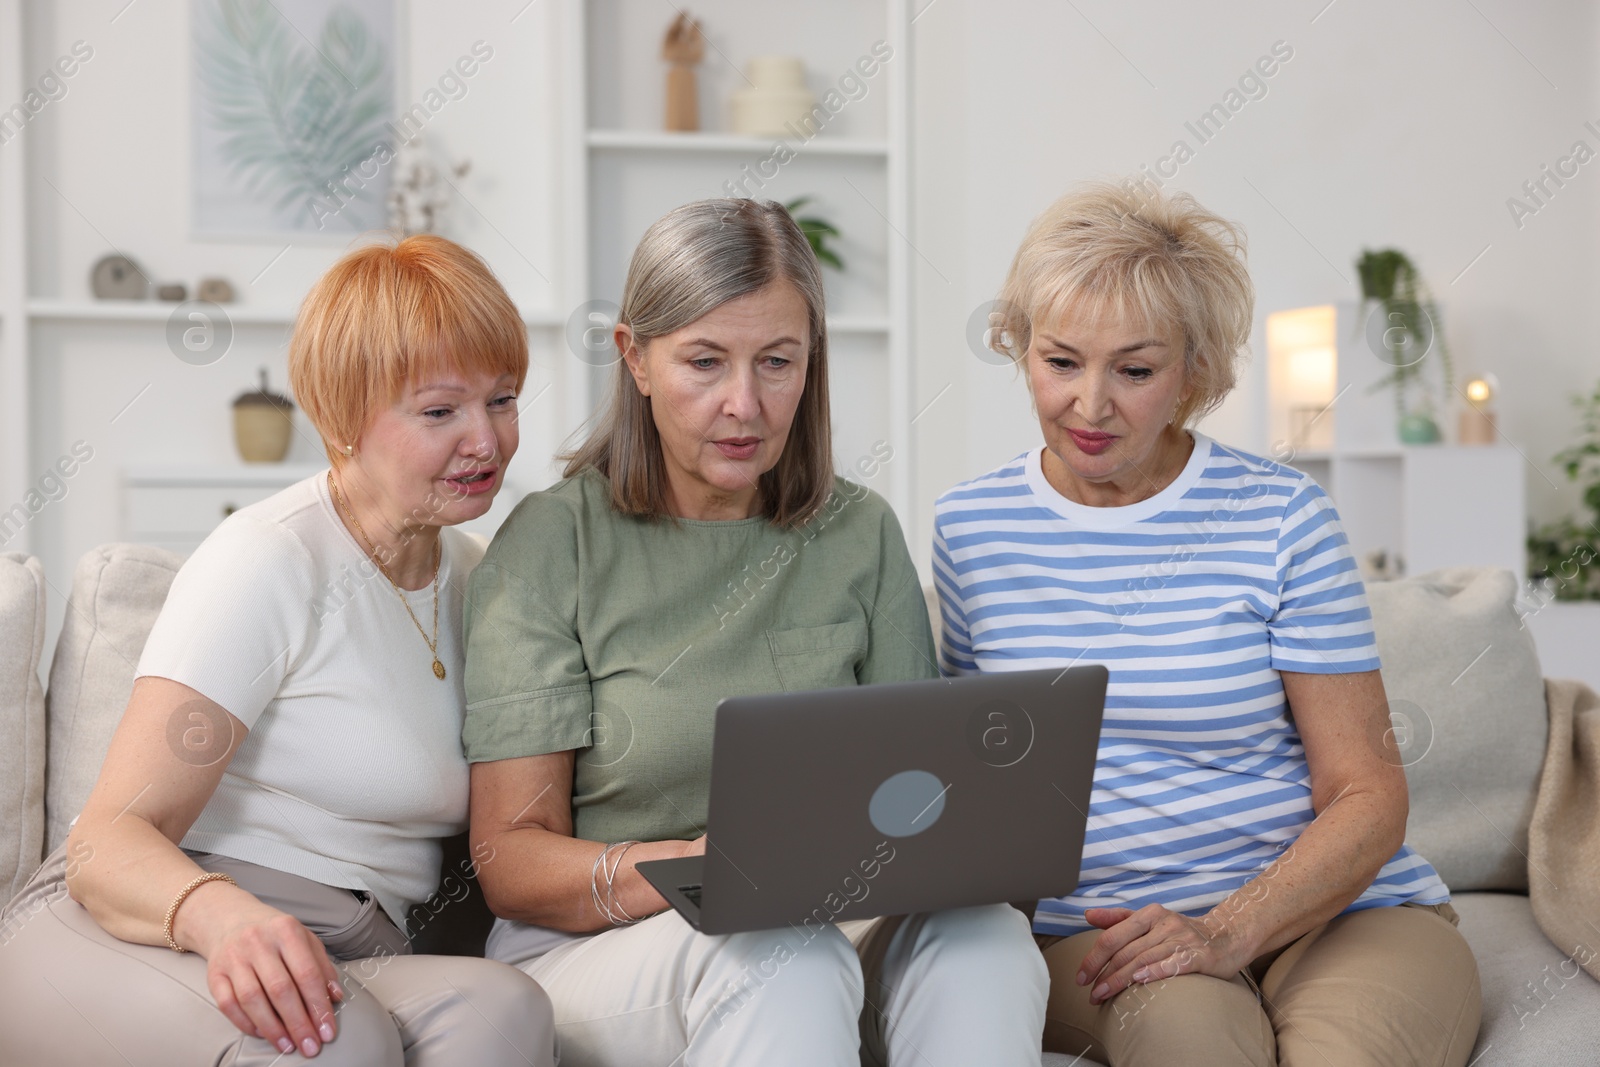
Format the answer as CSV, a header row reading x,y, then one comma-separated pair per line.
x,y
1403,327
1564,554
817,232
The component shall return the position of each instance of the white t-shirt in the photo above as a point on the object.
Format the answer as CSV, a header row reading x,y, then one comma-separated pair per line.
x,y
353,768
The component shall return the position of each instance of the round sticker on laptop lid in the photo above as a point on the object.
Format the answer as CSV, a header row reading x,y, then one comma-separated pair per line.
x,y
907,803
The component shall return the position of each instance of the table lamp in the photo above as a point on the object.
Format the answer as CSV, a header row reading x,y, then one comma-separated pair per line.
x,y
1477,426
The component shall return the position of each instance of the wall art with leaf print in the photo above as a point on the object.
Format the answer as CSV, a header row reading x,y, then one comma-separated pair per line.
x,y
292,102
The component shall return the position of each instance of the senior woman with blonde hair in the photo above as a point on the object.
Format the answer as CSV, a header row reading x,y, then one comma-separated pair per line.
x,y
1246,893
611,614
273,799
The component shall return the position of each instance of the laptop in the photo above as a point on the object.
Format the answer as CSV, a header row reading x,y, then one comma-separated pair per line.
x,y
892,799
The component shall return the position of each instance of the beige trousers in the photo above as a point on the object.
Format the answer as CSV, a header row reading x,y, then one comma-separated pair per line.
x,y
1387,987
72,994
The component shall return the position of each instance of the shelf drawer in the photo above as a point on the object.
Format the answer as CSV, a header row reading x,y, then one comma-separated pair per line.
x,y
185,513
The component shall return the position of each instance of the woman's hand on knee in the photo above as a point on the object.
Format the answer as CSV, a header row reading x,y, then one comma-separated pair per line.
x,y
1151,944
272,978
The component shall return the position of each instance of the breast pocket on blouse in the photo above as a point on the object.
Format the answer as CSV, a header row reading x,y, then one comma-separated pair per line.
x,y
818,657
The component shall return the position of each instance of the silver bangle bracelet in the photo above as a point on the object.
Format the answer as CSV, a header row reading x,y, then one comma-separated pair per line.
x,y
606,902
611,889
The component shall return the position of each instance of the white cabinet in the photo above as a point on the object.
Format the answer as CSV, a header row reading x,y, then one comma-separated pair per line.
x,y
1431,506
176,506
1422,506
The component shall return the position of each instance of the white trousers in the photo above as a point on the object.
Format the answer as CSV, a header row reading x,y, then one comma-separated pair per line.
x,y
951,989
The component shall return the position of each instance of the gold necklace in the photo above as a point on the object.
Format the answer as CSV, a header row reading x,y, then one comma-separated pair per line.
x,y
433,645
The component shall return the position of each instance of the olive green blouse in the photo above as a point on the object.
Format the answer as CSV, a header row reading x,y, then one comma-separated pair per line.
x,y
616,636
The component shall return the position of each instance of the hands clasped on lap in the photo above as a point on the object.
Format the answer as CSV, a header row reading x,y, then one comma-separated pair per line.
x,y
1154,943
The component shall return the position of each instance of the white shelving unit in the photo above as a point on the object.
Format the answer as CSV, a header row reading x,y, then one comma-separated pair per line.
x,y
72,367
175,505
562,185
15,380
46,310
723,143
1432,506
622,172
42,310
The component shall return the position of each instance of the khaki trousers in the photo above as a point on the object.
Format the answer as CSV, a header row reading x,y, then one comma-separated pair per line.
x,y
72,994
1388,987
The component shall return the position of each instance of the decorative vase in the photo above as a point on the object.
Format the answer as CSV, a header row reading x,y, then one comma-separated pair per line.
x,y
684,47
776,103
262,424
1418,429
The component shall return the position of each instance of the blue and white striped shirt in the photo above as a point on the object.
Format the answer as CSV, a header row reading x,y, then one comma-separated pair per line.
x,y
1194,600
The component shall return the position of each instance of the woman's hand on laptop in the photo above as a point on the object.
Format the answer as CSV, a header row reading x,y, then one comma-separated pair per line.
x,y
636,895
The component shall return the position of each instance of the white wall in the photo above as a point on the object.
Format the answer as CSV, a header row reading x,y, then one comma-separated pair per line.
x,y
1393,124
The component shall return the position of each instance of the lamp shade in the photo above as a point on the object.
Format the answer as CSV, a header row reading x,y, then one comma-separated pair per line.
x,y
1302,367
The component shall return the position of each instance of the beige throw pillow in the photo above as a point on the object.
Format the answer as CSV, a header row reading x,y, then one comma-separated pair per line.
x,y
117,592
1467,700
21,721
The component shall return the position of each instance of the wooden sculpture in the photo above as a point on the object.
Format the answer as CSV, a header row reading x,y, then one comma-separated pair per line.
x,y
683,47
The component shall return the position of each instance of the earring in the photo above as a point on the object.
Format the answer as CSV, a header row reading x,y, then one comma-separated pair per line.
x,y
349,450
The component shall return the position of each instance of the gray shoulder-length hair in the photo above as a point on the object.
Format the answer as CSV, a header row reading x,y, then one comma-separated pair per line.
x,y
692,260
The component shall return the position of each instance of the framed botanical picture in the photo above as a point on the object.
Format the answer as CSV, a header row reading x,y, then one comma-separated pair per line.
x,y
292,109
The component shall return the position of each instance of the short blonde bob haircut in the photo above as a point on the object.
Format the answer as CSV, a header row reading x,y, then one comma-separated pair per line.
x,y
690,261
394,313
1130,251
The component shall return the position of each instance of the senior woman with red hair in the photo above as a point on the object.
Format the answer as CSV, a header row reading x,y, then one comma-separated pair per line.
x,y
245,889
1247,896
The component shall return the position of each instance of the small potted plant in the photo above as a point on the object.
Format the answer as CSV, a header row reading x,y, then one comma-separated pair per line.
x,y
817,232
1403,327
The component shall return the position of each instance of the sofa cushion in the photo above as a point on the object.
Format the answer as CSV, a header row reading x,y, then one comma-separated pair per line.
x,y
21,720
117,592
1467,701
1538,1006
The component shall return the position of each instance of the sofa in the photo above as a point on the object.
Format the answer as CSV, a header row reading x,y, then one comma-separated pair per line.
x,y
1467,702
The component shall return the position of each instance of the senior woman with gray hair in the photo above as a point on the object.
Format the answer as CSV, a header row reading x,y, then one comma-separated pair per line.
x,y
600,639
1247,896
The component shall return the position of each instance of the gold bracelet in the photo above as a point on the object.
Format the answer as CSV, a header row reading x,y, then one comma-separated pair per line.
x,y
172,909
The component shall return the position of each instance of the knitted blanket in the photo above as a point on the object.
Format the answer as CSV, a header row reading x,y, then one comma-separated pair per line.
x,y
1564,836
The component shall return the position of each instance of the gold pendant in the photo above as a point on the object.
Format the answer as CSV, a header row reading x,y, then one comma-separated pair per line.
x,y
438,669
